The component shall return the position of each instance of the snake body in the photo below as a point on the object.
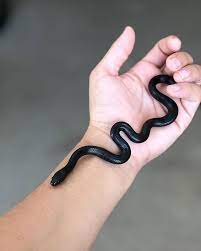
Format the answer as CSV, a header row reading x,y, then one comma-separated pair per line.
x,y
125,151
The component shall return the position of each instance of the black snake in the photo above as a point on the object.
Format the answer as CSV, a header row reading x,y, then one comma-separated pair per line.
x,y
125,151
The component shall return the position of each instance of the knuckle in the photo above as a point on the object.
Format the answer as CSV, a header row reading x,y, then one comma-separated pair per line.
x,y
177,56
174,55
184,57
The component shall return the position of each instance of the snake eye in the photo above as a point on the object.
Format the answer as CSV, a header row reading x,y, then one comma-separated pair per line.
x,y
58,177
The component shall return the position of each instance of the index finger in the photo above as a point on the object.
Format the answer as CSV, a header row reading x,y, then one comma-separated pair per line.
x,y
162,49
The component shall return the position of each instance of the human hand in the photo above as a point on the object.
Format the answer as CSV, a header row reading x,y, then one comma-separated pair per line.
x,y
115,97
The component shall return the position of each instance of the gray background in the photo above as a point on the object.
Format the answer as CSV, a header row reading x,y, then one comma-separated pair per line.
x,y
46,54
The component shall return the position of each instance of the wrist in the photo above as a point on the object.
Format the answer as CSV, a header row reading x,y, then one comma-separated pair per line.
x,y
123,174
93,188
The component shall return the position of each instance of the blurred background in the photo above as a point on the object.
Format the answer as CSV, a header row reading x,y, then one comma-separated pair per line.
x,y
47,50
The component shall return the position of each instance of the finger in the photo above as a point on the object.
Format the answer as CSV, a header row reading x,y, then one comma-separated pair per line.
x,y
188,91
177,61
117,54
190,73
165,47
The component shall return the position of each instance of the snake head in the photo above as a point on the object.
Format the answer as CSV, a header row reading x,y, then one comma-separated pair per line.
x,y
58,177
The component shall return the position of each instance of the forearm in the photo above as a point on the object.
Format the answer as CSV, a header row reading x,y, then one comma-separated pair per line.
x,y
68,217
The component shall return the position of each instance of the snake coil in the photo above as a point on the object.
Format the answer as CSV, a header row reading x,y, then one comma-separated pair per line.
x,y
125,151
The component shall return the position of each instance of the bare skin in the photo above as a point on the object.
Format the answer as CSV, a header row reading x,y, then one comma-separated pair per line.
x,y
70,216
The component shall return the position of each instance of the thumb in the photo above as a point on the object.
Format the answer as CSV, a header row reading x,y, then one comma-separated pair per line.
x,y
117,54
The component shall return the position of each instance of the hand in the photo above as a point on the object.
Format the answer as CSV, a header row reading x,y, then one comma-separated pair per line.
x,y
125,97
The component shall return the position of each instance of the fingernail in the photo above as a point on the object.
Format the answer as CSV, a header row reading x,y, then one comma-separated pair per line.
x,y
183,73
174,88
175,63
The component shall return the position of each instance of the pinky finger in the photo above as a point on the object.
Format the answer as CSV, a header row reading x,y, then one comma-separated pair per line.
x,y
187,91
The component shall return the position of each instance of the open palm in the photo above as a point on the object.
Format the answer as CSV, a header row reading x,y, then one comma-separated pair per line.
x,y
125,97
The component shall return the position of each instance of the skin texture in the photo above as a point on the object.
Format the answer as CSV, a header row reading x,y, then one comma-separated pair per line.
x,y
70,217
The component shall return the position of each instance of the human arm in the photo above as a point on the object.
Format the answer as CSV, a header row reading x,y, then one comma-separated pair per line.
x,y
69,216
